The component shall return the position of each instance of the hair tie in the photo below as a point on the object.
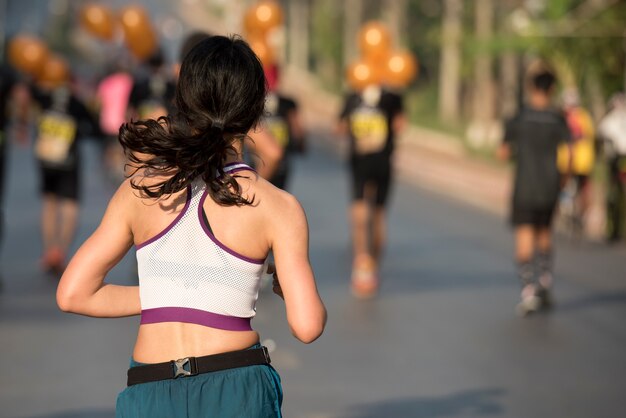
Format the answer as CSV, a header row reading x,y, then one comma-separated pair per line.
x,y
217,128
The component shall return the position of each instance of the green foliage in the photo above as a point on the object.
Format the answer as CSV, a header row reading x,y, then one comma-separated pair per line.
x,y
587,45
327,42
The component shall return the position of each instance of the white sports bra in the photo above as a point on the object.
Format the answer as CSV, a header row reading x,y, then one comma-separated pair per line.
x,y
187,275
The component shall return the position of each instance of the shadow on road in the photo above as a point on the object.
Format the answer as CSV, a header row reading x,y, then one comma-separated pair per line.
x,y
468,403
593,300
85,413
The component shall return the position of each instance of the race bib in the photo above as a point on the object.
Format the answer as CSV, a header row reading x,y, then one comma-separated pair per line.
x,y
370,130
279,130
57,133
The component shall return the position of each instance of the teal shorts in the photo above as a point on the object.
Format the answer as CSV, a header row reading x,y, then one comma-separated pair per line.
x,y
245,392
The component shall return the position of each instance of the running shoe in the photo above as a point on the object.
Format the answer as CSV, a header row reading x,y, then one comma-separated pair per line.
x,y
528,305
364,281
53,261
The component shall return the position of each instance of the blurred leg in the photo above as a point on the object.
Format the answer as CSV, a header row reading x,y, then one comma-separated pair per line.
x,y
359,214
524,249
379,232
544,256
68,221
524,243
49,221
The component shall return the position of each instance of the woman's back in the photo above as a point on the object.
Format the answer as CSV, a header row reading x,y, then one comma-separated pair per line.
x,y
234,236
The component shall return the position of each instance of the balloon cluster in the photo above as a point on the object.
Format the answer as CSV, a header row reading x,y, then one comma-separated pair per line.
x,y
379,63
258,23
139,34
31,55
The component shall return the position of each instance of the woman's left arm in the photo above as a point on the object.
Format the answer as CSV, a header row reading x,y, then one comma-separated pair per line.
x,y
82,289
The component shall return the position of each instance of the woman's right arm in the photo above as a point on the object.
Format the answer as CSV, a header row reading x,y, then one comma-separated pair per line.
x,y
82,289
306,313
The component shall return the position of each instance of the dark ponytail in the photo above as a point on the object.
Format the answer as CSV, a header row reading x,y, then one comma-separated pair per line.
x,y
220,96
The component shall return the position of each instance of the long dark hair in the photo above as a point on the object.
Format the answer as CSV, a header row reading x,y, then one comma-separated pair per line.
x,y
220,96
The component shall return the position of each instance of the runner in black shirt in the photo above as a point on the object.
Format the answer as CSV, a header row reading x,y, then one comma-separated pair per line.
x,y
372,120
531,139
64,120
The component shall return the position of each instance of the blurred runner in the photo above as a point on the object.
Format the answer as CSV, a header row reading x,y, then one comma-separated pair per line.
x,y
283,122
582,156
612,131
531,139
64,120
372,119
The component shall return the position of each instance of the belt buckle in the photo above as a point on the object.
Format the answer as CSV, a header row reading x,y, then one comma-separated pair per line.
x,y
179,367
266,354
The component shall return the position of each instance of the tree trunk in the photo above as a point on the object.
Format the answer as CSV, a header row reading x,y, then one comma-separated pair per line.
x,y
484,109
450,66
395,16
299,33
509,84
353,13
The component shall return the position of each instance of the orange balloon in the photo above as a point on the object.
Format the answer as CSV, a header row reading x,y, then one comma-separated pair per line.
x,y
262,50
27,53
139,34
250,25
262,17
361,74
400,68
54,72
97,20
374,40
143,44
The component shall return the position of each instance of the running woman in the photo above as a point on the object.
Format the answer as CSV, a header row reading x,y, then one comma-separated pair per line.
x,y
372,119
203,223
531,139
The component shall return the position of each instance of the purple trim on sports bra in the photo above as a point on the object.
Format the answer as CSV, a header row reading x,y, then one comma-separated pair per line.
x,y
233,164
238,169
195,316
215,240
171,225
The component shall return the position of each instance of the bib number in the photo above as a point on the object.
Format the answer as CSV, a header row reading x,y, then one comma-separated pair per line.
x,y
370,130
57,133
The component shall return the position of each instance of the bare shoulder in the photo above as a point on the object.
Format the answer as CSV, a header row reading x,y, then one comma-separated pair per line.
x,y
281,207
274,202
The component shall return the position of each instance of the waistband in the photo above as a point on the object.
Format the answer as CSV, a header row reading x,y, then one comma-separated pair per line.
x,y
192,366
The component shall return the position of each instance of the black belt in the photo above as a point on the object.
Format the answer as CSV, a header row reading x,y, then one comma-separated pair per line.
x,y
191,366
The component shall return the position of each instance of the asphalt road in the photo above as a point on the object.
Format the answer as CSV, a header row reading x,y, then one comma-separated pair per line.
x,y
441,340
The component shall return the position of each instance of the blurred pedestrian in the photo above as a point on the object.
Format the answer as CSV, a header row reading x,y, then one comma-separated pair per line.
x,y
612,132
63,122
372,119
531,139
578,166
282,119
203,223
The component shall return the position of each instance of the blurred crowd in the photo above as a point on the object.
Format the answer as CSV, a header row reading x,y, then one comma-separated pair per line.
x,y
46,104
